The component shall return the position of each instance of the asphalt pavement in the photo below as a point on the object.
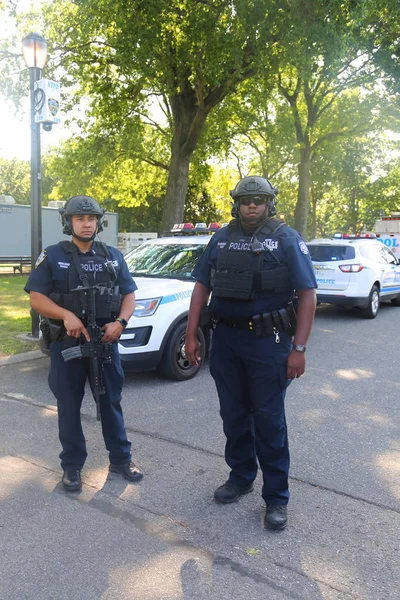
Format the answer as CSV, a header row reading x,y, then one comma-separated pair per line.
x,y
165,538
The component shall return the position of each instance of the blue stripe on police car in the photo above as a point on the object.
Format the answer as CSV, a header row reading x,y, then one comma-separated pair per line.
x,y
178,296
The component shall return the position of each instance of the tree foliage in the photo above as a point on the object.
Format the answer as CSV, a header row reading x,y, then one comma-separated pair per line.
x,y
353,181
323,107
171,87
192,53
15,179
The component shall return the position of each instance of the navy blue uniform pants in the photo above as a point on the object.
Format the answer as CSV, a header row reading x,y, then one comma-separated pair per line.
x,y
67,382
250,375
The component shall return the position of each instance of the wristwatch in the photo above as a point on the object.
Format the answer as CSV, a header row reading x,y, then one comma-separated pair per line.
x,y
123,322
299,347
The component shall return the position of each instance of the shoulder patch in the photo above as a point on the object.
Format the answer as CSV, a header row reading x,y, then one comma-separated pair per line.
x,y
40,258
303,247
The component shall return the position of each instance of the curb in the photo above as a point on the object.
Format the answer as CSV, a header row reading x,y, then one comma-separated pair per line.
x,y
23,357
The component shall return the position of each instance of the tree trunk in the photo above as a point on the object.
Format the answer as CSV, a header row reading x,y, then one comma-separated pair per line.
x,y
303,195
189,119
314,214
353,212
175,195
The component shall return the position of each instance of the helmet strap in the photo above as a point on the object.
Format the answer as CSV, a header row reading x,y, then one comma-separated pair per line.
x,y
82,239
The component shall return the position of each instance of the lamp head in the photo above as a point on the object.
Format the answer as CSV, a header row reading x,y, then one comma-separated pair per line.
x,y
34,48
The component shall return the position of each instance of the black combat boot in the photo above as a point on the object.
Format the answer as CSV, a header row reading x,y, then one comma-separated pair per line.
x,y
128,470
230,492
71,480
276,516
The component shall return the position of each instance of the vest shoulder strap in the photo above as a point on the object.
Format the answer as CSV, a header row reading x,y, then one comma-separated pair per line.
x,y
234,226
103,249
67,246
70,248
272,225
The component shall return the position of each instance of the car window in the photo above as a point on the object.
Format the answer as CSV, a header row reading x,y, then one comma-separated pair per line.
x,y
372,252
325,253
164,260
388,256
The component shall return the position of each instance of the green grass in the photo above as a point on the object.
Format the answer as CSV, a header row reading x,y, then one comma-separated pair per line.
x,y
15,317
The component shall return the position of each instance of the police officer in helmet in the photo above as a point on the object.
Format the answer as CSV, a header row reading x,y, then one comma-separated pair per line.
x,y
59,270
260,274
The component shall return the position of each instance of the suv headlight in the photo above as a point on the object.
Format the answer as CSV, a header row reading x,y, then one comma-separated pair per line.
x,y
146,308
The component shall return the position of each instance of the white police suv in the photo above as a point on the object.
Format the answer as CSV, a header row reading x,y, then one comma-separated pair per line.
x,y
355,271
155,335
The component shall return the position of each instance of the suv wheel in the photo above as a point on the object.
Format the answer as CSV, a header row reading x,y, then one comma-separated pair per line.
x,y
174,364
371,310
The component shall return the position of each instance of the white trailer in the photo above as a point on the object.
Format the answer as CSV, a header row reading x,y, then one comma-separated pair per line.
x,y
387,231
15,229
131,240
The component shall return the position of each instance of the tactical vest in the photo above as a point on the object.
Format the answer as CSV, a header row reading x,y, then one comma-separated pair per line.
x,y
88,270
240,271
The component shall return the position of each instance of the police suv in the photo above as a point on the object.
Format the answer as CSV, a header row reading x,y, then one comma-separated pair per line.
x,y
155,335
355,271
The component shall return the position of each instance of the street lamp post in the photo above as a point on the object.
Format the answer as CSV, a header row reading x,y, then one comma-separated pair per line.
x,y
34,48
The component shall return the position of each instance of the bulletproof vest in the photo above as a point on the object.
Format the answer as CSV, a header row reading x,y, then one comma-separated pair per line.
x,y
85,271
240,272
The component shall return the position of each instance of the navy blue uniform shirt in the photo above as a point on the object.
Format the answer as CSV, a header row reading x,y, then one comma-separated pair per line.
x,y
286,245
52,266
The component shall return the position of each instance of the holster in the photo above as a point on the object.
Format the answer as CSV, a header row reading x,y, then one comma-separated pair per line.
x,y
52,331
263,324
283,319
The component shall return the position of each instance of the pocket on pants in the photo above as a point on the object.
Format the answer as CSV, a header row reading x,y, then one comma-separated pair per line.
x,y
116,362
283,378
53,380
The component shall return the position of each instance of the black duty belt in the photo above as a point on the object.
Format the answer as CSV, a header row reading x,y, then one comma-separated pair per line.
x,y
266,323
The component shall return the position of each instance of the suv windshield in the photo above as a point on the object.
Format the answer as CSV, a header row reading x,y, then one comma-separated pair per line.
x,y
325,253
175,261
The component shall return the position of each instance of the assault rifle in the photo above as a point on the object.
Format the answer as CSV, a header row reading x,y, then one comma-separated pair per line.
x,y
96,350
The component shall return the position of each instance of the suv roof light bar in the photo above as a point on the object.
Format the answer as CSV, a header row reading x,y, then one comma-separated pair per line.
x,y
214,227
199,228
353,236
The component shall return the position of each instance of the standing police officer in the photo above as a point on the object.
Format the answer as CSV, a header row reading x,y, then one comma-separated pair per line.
x,y
255,267
59,270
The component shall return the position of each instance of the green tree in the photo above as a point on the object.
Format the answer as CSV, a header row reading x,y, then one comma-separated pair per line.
x,y
193,53
96,165
15,179
353,181
156,72
347,46
324,109
255,130
328,91
379,31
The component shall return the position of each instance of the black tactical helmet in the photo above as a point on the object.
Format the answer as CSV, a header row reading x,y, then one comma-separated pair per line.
x,y
80,205
254,186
